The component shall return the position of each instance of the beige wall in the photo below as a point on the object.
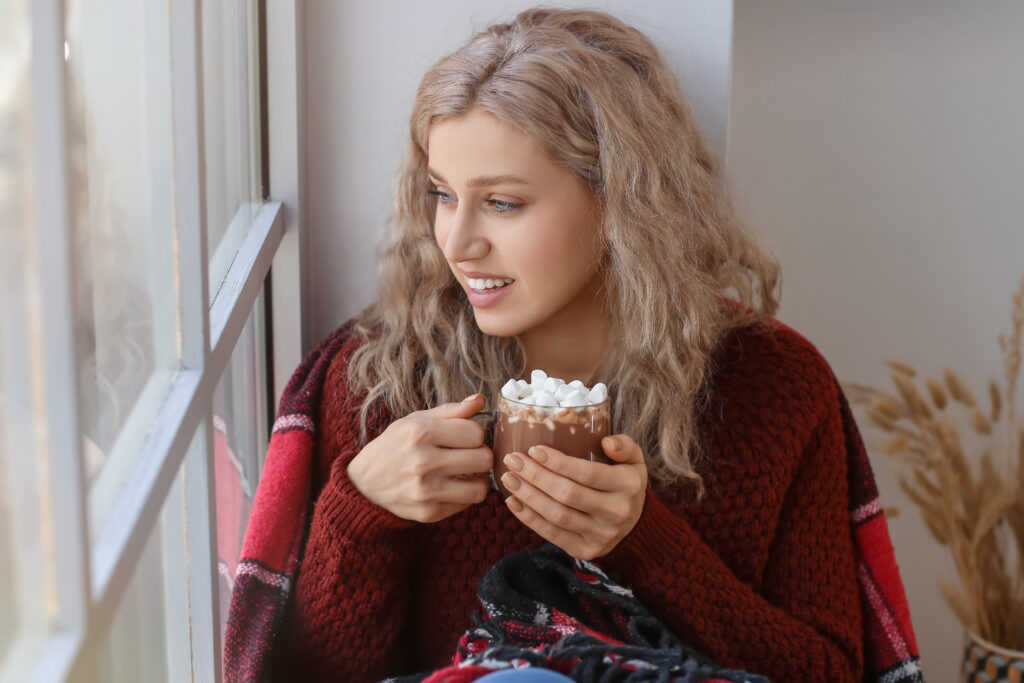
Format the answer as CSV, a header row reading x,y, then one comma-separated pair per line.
x,y
878,146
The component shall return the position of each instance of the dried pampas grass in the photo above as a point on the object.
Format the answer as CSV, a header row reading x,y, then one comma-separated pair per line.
x,y
979,514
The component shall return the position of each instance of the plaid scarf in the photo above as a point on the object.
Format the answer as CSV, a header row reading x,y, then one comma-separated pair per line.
x,y
543,608
282,507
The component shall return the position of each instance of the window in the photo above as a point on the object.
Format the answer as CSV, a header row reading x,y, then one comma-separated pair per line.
x,y
139,221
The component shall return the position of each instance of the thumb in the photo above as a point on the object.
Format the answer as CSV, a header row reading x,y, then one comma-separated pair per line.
x,y
621,448
469,406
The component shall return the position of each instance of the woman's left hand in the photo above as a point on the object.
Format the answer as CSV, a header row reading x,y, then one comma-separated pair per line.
x,y
586,508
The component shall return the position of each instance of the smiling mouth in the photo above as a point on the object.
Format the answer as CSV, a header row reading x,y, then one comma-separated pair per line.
x,y
488,284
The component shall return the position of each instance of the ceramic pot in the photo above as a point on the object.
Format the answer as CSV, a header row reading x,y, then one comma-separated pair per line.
x,y
990,663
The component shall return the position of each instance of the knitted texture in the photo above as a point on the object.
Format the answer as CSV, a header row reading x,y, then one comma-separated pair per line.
x,y
784,568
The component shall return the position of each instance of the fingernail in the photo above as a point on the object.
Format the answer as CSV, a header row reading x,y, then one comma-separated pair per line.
x,y
510,481
469,398
514,463
538,454
611,443
514,504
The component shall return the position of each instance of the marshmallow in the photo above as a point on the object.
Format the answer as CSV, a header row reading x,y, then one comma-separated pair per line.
x,y
511,390
544,398
563,391
551,384
575,399
542,390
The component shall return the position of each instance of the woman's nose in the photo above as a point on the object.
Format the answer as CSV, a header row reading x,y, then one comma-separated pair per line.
x,y
464,241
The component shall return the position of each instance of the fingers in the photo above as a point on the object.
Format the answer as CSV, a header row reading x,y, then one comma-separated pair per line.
x,y
451,462
569,541
463,492
455,433
622,449
593,475
469,405
555,486
449,425
551,509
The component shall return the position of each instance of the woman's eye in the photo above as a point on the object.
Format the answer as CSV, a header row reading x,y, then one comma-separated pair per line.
x,y
442,197
502,206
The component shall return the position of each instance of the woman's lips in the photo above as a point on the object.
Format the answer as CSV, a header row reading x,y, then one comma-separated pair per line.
x,y
488,298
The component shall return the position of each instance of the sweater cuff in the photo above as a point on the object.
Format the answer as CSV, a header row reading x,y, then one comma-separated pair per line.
x,y
658,527
357,518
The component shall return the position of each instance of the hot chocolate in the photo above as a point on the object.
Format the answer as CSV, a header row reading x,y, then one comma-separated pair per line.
x,y
574,430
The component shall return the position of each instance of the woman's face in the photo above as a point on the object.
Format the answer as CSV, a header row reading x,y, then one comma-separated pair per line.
x,y
508,211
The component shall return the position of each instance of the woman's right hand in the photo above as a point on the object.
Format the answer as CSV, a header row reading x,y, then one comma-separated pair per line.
x,y
414,469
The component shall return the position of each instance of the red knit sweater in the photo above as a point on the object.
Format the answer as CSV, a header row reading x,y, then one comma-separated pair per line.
x,y
759,575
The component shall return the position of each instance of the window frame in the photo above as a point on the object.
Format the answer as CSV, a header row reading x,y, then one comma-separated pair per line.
x,y
89,582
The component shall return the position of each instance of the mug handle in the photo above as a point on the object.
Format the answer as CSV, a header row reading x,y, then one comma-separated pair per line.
x,y
487,419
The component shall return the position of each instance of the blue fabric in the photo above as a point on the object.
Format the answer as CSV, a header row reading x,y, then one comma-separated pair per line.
x,y
527,675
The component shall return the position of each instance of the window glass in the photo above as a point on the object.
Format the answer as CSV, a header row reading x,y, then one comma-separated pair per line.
x,y
136,645
240,435
7,547
121,210
123,240
22,417
231,118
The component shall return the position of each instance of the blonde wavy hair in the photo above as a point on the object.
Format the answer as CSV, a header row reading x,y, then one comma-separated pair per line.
x,y
680,269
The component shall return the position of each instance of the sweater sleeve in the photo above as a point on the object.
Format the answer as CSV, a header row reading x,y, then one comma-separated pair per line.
x,y
351,597
804,623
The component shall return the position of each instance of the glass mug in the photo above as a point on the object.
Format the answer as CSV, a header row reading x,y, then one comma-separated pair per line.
x,y
517,426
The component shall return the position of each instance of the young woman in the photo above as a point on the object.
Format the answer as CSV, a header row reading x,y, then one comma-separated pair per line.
x,y
559,209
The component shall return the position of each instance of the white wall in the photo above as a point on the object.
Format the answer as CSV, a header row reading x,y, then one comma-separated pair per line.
x,y
364,62
878,146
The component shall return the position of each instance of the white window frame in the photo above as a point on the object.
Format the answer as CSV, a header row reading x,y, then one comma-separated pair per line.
x,y
90,579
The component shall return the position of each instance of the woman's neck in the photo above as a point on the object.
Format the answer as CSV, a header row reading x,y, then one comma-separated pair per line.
x,y
571,344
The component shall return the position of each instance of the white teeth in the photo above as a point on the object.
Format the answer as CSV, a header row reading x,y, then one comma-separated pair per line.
x,y
487,283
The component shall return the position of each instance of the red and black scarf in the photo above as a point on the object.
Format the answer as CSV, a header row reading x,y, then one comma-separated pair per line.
x,y
543,608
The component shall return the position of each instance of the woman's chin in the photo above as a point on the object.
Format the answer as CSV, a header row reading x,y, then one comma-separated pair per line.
x,y
496,326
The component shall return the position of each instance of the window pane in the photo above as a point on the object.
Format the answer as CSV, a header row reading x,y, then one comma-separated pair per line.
x,y
119,137
7,606
149,615
240,443
232,128
23,575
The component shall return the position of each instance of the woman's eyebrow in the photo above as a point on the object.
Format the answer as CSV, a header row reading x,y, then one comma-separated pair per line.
x,y
485,180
